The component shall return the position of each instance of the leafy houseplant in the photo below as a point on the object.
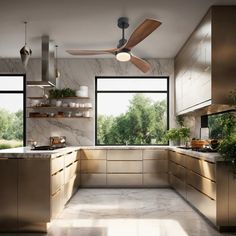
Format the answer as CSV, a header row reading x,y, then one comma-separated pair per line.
x,y
178,134
227,148
61,93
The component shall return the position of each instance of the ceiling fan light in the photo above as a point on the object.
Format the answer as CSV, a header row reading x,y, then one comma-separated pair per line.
x,y
123,56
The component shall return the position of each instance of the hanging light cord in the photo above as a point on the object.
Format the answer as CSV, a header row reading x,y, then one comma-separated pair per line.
x,y
56,55
25,32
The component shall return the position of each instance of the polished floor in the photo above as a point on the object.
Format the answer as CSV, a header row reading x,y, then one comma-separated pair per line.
x,y
129,212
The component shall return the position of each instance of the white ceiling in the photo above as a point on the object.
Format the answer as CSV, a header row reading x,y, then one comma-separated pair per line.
x,y
92,24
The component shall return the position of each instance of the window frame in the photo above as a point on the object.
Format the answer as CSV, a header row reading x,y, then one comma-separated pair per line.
x,y
24,100
131,91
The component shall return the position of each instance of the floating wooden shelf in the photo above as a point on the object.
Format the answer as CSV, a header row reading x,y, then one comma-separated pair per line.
x,y
73,117
58,98
50,107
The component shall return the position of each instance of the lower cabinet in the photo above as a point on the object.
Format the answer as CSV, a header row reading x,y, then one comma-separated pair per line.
x,y
124,168
194,180
8,194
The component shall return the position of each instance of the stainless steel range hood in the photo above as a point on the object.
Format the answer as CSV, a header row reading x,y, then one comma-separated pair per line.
x,y
48,65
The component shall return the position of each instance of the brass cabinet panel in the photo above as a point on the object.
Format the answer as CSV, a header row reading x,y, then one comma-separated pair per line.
x,y
71,171
126,155
70,188
232,198
34,190
178,185
204,204
177,158
155,180
155,166
57,164
57,181
203,184
204,168
93,154
124,180
124,166
57,203
178,171
8,194
155,154
93,166
71,157
93,180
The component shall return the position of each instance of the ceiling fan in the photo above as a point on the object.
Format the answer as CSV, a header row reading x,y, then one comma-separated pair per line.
x,y
123,50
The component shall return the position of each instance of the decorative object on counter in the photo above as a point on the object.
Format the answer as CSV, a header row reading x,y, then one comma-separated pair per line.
x,y
178,135
57,141
227,148
198,143
82,92
25,51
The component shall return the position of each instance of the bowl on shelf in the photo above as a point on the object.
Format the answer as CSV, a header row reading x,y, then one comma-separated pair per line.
x,y
72,104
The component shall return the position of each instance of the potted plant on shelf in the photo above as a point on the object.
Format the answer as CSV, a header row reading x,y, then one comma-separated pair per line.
x,y
61,93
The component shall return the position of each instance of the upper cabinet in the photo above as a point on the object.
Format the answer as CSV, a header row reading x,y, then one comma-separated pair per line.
x,y
205,67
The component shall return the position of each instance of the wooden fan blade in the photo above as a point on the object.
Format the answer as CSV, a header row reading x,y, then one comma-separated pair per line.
x,y
77,52
143,65
141,32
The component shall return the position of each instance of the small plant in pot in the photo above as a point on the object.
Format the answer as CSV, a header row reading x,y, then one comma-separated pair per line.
x,y
178,135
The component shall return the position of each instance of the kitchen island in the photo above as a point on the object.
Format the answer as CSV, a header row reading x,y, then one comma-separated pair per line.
x,y
37,184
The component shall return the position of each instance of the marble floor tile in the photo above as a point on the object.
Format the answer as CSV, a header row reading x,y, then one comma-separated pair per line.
x,y
129,212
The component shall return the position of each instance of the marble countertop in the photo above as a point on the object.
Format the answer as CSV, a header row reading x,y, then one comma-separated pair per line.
x,y
25,152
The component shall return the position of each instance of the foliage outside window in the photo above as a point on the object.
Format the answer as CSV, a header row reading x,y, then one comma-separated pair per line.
x,y
12,99
131,111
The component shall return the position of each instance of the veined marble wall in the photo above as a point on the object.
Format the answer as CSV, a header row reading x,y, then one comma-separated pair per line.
x,y
76,72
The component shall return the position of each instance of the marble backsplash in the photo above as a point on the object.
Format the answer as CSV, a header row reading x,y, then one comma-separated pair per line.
x,y
76,72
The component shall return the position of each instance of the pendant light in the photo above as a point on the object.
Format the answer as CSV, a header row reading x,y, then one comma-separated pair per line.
x,y
25,51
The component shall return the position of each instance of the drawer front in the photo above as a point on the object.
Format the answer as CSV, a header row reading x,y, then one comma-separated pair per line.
x,y
155,180
93,180
124,167
71,171
93,166
203,203
154,166
93,154
71,157
155,154
57,203
57,181
178,185
57,164
204,168
177,158
70,188
126,155
178,171
203,184
124,180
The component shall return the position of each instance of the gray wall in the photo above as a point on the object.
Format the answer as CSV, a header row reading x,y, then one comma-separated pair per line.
x,y
76,72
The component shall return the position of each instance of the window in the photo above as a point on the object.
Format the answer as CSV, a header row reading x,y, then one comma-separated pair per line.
x,y
131,110
12,111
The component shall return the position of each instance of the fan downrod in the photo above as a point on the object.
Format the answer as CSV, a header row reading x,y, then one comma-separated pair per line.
x,y
123,23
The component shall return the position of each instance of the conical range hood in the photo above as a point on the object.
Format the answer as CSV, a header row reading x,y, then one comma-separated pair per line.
x,y
48,65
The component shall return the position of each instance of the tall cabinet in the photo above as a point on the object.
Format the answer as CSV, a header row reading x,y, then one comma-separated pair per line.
x,y
205,68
